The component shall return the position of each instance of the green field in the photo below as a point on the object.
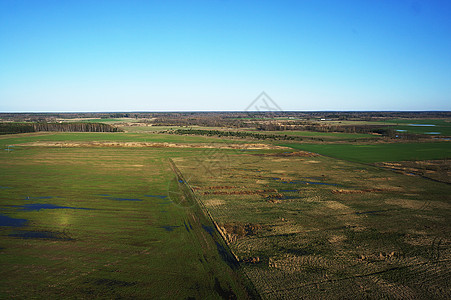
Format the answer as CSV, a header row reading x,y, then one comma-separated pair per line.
x,y
370,153
116,222
433,126
106,137
100,224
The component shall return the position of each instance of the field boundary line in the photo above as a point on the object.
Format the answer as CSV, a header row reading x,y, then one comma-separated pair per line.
x,y
201,205
252,290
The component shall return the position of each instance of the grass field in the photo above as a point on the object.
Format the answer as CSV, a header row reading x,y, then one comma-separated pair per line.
x,y
422,126
312,227
105,222
370,153
106,137
98,222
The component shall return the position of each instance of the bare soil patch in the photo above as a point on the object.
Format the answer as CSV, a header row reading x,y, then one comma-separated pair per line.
x,y
151,144
291,154
342,191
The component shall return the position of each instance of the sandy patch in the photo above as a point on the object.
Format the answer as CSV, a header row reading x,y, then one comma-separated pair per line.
x,y
279,159
337,239
155,145
213,202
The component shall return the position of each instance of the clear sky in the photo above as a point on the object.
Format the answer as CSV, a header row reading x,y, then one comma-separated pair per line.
x,y
220,54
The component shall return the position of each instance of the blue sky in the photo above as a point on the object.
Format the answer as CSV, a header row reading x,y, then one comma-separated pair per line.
x,y
220,54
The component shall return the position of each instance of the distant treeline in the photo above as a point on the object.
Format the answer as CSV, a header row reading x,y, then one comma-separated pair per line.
x,y
227,119
10,128
75,127
380,129
243,134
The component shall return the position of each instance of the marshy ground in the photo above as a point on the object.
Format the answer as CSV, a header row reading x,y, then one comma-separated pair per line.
x,y
87,215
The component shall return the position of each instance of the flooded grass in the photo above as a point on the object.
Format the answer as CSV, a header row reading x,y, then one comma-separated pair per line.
x,y
97,252
43,235
124,199
39,206
313,234
106,196
169,227
156,196
11,222
209,229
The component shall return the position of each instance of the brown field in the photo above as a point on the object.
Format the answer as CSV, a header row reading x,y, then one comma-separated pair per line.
x,y
316,227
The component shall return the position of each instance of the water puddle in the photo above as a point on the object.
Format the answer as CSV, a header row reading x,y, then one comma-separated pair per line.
x,y
12,222
169,227
432,132
401,130
421,125
289,191
226,256
4,187
39,206
46,235
156,196
210,230
118,198
289,197
124,199
165,201
186,226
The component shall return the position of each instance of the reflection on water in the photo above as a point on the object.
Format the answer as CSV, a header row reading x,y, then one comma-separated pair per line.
x,y
106,196
39,206
47,235
156,196
12,222
421,125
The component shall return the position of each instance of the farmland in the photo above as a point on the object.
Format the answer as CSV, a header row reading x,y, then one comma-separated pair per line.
x,y
315,226
368,153
98,222
147,213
